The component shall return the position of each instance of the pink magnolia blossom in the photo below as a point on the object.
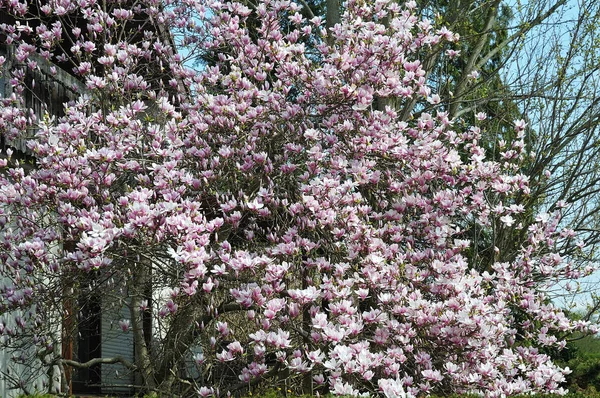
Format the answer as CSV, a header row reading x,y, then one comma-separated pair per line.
x,y
266,208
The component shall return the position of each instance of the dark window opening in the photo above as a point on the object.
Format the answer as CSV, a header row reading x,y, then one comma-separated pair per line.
x,y
87,380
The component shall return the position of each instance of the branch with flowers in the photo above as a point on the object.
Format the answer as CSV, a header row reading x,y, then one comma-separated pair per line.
x,y
268,209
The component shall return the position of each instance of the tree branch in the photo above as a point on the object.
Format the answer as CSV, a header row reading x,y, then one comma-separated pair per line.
x,y
332,17
526,27
474,54
254,381
97,361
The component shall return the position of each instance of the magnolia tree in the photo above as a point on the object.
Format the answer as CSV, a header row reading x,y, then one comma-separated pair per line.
x,y
262,210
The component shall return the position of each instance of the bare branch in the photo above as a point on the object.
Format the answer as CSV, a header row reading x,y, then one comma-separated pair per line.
x,y
96,361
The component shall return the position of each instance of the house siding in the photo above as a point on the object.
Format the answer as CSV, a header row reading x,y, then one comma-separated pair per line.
x,y
51,90
115,377
33,376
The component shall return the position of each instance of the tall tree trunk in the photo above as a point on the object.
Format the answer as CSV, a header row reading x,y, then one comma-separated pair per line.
x,y
138,287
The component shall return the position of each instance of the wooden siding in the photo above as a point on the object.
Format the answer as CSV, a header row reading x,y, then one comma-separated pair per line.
x,y
115,377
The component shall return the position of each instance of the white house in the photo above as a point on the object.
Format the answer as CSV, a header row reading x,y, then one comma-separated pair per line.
x,y
98,335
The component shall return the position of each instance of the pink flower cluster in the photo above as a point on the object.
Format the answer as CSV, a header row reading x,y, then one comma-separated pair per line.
x,y
270,182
